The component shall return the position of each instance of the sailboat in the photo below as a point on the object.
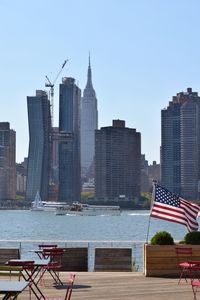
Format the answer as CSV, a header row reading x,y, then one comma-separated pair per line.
x,y
37,204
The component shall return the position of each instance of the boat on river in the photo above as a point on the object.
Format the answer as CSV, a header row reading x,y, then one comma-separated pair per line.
x,y
80,209
38,205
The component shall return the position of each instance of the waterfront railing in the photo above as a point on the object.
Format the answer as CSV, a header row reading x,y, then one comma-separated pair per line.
x,y
27,246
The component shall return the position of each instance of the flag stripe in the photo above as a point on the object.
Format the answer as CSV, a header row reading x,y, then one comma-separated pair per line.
x,y
170,207
169,215
173,218
191,227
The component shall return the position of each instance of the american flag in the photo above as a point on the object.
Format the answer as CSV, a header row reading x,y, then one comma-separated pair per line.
x,y
170,207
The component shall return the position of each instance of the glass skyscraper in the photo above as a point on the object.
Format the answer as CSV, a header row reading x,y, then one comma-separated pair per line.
x,y
39,146
180,145
69,148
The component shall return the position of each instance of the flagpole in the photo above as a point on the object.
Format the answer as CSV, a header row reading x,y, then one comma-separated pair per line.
x,y
152,199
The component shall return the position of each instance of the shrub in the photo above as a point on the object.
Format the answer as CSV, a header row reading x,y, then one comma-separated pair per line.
x,y
192,238
162,238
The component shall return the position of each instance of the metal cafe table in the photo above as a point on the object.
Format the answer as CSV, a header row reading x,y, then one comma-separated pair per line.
x,y
31,270
12,288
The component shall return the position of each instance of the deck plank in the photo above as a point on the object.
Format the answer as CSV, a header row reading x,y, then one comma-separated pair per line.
x,y
117,285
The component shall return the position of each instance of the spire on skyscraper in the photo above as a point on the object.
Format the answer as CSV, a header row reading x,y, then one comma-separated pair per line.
x,y
89,58
89,75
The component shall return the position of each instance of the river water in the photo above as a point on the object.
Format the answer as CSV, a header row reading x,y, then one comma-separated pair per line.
x,y
128,229
129,226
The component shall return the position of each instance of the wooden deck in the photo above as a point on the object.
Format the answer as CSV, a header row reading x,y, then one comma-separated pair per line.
x,y
118,286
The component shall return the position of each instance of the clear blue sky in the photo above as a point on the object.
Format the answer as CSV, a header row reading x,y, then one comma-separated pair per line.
x,y
142,53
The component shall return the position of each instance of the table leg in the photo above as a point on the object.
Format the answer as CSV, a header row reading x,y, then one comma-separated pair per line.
x,y
31,277
8,295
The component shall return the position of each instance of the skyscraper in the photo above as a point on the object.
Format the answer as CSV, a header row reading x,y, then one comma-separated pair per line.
x,y
180,145
7,162
39,146
89,123
55,155
69,148
117,162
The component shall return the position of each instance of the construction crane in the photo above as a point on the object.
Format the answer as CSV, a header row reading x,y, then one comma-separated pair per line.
x,y
51,85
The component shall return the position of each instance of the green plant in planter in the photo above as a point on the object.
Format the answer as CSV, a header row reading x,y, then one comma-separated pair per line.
x,y
162,238
192,238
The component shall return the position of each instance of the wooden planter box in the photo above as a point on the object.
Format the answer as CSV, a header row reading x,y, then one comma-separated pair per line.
x,y
161,260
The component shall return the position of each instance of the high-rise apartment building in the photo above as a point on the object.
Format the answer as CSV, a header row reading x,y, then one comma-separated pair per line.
x,y
89,123
144,175
21,175
180,145
38,169
149,174
55,155
117,162
7,162
153,174
69,148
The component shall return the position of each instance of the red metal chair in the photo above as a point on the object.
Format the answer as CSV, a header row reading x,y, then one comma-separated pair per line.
x,y
69,290
195,284
70,286
41,247
55,263
184,256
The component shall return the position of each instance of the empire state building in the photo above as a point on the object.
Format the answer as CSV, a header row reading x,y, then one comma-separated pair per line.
x,y
89,123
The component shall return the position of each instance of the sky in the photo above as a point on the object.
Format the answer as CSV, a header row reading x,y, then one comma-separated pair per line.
x,y
143,52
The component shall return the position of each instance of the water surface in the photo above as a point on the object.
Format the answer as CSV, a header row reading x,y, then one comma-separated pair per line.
x,y
129,226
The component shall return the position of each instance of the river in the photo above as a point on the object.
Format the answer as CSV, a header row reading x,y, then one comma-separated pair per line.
x,y
130,225
128,229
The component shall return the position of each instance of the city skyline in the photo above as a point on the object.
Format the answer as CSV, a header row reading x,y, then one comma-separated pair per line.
x,y
142,53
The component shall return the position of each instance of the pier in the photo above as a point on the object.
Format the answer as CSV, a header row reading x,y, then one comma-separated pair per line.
x,y
116,286
106,285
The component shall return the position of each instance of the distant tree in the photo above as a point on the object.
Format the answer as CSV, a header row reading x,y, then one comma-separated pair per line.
x,y
146,195
146,199
87,195
20,197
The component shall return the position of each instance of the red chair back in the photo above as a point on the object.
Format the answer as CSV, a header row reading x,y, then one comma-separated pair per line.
x,y
184,253
184,258
55,254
